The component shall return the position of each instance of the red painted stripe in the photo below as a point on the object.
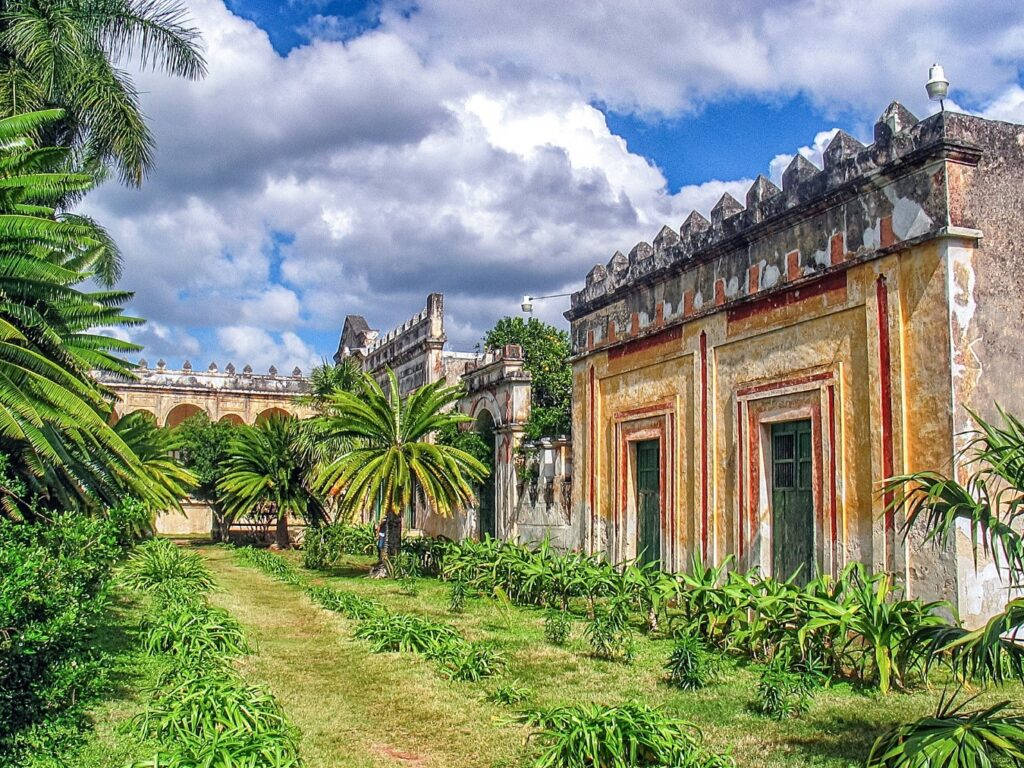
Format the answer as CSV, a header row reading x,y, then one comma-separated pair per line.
x,y
833,506
672,493
704,444
834,281
638,345
590,437
885,381
739,471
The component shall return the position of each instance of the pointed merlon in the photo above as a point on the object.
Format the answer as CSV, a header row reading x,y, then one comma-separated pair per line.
x,y
273,370
230,368
161,363
186,366
842,146
247,370
640,252
143,365
296,372
694,223
726,206
617,265
212,368
665,239
597,275
894,119
759,191
799,170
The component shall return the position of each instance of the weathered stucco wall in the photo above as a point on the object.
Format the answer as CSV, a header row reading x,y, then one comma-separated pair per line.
x,y
849,298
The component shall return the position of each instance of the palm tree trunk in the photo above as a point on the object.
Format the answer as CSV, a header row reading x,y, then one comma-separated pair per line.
x,y
281,535
394,534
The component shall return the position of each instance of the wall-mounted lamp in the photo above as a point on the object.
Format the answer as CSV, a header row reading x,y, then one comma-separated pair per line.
x,y
937,85
527,304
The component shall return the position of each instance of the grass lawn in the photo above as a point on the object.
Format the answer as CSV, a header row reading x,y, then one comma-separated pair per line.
x,y
356,708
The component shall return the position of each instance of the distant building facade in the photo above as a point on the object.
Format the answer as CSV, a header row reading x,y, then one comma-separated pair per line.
x,y
742,386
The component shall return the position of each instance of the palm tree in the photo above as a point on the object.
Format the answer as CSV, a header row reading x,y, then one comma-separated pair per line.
x,y
65,54
392,457
267,471
156,448
327,378
53,415
989,502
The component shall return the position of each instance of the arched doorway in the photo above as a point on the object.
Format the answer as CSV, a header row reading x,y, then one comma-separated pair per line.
x,y
264,415
486,513
180,412
231,418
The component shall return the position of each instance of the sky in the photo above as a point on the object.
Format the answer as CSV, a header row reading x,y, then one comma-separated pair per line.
x,y
352,157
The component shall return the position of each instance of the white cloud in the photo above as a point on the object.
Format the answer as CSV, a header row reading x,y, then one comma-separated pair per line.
x,y
457,149
813,153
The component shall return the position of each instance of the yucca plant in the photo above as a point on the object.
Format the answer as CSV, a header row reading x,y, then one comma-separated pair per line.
x,y
781,691
348,604
471,662
457,592
609,636
270,563
954,737
633,735
557,626
193,631
404,632
162,563
511,693
692,665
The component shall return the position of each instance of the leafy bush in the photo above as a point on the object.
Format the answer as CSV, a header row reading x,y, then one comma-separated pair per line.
x,y
468,661
609,637
782,692
159,562
510,694
457,596
52,593
322,547
634,735
692,665
955,737
404,632
270,563
346,603
557,626
194,631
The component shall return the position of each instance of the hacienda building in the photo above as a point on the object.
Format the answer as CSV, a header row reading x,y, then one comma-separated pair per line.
x,y
743,386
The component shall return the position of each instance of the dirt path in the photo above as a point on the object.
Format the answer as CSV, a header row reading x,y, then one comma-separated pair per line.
x,y
356,709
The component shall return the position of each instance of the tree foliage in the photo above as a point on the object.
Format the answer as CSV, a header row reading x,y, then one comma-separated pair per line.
x,y
66,54
391,456
546,351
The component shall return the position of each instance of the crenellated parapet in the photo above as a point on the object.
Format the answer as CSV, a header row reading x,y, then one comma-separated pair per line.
x,y
864,202
188,379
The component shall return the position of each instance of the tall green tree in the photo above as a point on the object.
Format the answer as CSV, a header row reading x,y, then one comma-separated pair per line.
x,y
205,447
268,472
53,415
546,352
69,54
328,378
393,456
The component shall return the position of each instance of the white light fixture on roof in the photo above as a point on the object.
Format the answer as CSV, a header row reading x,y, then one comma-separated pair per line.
x,y
937,85
527,304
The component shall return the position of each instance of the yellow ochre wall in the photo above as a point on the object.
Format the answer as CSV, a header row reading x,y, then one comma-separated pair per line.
x,y
815,340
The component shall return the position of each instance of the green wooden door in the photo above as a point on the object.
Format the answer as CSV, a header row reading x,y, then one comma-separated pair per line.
x,y
792,501
648,501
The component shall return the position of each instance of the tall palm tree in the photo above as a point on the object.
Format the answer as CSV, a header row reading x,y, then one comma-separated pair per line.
x,y
156,447
66,54
53,414
392,458
267,471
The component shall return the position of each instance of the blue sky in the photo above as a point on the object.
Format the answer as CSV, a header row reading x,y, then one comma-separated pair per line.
x,y
349,157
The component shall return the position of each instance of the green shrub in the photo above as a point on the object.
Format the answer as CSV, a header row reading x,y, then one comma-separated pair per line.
x,y
630,736
557,626
510,694
468,661
347,604
194,631
955,737
782,692
404,632
457,596
692,665
159,562
322,547
609,637
53,591
270,563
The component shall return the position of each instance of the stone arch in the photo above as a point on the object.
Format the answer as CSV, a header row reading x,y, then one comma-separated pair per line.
x,y
180,412
273,411
231,418
148,413
487,514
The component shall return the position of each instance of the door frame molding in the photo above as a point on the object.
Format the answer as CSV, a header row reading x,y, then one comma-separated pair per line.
x,y
809,394
652,422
